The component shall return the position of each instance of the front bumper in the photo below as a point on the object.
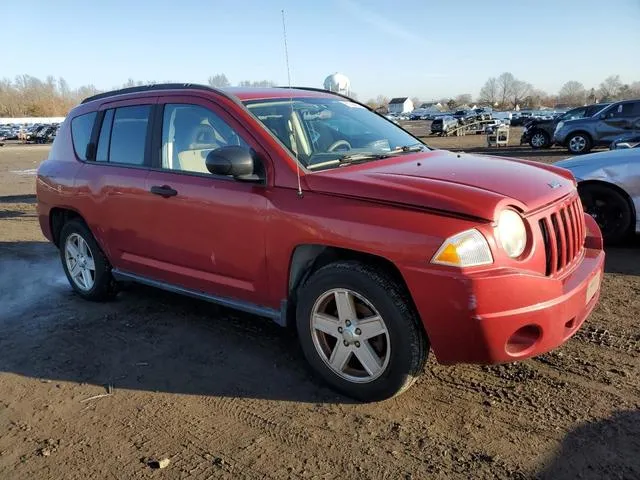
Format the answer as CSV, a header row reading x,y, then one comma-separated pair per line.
x,y
559,138
504,315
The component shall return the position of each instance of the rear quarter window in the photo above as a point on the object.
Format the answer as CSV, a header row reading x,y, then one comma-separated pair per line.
x,y
81,127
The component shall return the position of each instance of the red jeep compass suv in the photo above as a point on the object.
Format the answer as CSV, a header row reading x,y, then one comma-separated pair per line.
x,y
308,208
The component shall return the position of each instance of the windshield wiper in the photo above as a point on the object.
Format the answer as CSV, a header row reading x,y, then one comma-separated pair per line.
x,y
416,147
361,157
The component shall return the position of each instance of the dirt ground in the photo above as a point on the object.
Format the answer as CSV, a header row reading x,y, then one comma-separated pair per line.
x,y
223,394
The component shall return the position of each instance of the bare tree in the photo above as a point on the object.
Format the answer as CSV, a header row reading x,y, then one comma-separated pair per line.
x,y
416,102
505,87
259,83
489,92
219,80
573,93
464,99
382,101
610,87
628,92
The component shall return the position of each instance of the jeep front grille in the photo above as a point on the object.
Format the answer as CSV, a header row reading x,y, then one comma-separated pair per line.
x,y
563,231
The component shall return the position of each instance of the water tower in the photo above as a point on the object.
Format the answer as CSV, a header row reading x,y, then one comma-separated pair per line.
x,y
338,83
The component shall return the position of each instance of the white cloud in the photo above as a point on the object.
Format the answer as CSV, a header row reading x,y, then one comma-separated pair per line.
x,y
382,23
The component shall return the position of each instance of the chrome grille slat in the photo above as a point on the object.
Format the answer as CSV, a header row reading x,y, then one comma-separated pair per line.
x,y
563,234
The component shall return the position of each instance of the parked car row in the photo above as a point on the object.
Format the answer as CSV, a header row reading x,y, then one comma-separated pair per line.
x,y
36,133
538,132
582,128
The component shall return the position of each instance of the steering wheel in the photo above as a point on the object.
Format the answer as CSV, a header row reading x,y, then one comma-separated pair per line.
x,y
339,143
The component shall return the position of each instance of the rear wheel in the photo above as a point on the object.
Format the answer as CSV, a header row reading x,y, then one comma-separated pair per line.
x,y
359,332
84,263
579,143
610,209
539,139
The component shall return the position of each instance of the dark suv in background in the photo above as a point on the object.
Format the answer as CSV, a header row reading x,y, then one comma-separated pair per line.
x,y
618,121
538,132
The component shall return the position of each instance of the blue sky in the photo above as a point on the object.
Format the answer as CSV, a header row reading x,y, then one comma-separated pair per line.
x,y
428,49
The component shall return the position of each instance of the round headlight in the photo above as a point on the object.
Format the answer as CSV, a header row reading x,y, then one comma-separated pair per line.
x,y
512,233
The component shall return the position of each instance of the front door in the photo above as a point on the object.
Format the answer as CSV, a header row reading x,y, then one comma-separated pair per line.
x,y
207,233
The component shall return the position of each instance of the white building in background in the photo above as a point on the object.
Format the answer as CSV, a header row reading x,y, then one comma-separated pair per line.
x,y
400,105
432,107
337,82
30,120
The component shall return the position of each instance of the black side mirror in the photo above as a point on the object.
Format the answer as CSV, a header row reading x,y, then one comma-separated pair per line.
x,y
232,160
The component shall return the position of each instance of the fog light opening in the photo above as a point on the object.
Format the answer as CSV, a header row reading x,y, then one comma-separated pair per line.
x,y
523,340
570,324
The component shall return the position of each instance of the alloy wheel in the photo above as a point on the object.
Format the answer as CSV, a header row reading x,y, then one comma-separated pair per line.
x,y
350,336
80,262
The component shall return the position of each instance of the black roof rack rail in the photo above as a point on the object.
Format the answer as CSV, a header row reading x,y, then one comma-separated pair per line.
x,y
148,88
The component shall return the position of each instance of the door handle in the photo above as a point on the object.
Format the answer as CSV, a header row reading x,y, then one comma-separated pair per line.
x,y
164,191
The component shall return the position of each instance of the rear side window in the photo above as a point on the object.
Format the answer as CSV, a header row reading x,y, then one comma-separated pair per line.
x,y
128,135
81,127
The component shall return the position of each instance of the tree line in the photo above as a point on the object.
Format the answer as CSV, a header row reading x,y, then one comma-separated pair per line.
x,y
506,92
27,96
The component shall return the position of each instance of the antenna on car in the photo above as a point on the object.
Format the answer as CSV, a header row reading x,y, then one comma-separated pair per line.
x,y
286,56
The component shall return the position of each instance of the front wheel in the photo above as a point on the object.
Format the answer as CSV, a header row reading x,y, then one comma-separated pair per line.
x,y
539,140
579,143
610,209
359,331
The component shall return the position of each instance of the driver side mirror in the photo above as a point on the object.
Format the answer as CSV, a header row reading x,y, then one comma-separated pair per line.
x,y
233,160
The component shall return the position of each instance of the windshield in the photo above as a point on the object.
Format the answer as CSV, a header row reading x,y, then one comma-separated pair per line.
x,y
327,132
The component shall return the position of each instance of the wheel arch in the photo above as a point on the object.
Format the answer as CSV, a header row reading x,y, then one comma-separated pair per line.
x,y
617,188
58,216
308,258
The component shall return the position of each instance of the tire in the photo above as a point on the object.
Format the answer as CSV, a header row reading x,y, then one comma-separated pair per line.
x,y
579,143
610,209
539,139
102,285
400,352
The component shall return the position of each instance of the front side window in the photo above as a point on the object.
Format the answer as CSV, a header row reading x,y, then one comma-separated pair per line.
x,y
189,133
327,132
129,134
81,127
573,114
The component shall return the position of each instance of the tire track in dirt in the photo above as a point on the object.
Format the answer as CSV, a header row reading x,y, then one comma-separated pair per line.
x,y
521,387
603,337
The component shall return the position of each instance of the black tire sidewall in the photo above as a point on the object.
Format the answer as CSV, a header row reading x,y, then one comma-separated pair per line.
x,y
620,234
103,286
403,333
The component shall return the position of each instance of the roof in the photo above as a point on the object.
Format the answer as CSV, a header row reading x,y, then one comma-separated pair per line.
x,y
398,100
239,93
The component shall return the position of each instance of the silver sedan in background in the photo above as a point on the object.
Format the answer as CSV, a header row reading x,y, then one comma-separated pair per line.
x,y
609,186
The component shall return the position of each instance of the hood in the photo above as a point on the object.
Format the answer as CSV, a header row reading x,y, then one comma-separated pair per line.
x,y
608,157
471,185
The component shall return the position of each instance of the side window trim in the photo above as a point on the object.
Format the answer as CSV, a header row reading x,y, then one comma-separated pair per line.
x,y
95,134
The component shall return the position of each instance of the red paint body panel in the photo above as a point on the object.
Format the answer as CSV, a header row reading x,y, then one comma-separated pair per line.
x,y
236,240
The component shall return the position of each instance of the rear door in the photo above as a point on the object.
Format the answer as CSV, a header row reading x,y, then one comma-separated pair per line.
x,y
115,176
618,122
